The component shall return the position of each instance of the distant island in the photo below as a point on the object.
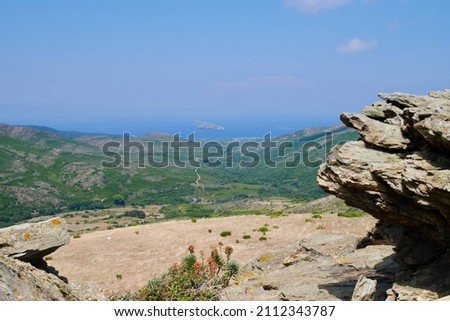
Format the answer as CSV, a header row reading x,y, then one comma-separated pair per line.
x,y
207,125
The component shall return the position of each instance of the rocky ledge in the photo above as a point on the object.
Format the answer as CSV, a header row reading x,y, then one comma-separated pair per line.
x,y
321,268
25,275
400,173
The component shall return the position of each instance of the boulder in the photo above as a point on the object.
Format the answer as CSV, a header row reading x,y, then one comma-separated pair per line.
x,y
31,242
20,281
24,274
365,289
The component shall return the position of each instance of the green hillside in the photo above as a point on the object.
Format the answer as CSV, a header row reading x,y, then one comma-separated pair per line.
x,y
44,171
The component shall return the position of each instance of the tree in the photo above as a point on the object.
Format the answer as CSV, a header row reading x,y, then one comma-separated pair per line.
x,y
119,200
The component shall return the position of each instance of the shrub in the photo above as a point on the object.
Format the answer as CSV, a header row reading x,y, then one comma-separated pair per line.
x,y
194,279
119,276
320,227
351,213
316,214
225,233
263,238
48,258
209,230
135,213
76,235
193,220
246,237
263,229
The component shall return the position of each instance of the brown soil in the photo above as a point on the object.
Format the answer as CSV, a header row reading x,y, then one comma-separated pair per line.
x,y
124,259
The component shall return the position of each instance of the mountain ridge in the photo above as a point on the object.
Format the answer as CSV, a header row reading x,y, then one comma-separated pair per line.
x,y
46,171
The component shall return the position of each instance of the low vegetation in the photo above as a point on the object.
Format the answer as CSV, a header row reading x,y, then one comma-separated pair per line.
x,y
195,278
134,213
352,213
225,233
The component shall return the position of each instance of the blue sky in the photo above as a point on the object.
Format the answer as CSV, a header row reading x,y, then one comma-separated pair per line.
x,y
81,61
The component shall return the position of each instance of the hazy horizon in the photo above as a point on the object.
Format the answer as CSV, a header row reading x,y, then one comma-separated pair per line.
x,y
234,127
76,63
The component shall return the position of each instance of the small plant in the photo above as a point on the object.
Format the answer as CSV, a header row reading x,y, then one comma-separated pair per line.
x,y
275,227
194,279
351,213
246,237
209,230
320,227
193,220
308,220
48,258
119,276
237,241
136,232
263,229
263,238
225,233
76,235
316,214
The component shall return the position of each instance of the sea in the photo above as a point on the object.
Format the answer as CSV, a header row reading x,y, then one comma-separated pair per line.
x,y
236,127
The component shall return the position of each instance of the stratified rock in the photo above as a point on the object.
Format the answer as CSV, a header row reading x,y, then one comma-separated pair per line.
x,y
31,242
403,100
409,188
86,291
436,131
365,289
20,281
322,268
409,293
400,173
24,275
377,133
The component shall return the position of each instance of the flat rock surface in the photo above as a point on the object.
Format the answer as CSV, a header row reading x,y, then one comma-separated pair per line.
x,y
318,269
30,242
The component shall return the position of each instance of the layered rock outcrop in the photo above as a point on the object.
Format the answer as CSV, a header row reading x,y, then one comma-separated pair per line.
x,y
24,274
320,267
31,242
400,173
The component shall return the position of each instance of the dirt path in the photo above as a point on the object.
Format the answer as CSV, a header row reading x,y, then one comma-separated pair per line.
x,y
197,181
125,259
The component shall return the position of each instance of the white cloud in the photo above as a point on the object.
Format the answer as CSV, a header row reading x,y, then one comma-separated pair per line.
x,y
249,84
312,6
356,45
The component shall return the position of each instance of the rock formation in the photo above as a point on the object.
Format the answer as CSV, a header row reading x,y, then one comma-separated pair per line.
x,y
31,242
24,275
322,268
400,173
